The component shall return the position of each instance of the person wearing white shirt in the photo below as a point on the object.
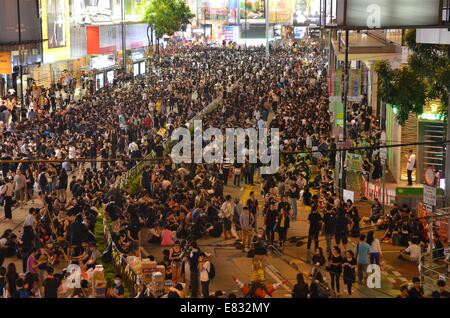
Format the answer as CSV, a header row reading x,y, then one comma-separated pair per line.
x,y
261,124
257,114
375,248
30,220
204,267
410,166
132,147
411,253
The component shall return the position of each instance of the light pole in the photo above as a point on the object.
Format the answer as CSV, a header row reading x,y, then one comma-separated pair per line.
x,y
266,4
124,41
344,153
19,22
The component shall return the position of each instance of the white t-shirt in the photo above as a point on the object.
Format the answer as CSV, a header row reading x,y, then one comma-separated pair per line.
x,y
411,162
414,251
29,220
204,276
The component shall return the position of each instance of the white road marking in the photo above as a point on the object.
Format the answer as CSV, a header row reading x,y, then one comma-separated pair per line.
x,y
403,279
396,273
276,279
392,280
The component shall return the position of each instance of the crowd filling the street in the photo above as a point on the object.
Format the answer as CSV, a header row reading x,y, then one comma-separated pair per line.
x,y
109,214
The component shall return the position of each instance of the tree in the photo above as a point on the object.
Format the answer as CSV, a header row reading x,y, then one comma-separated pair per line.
x,y
426,77
402,88
167,16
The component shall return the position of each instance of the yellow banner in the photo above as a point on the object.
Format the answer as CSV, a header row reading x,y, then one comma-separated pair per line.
x,y
281,11
5,63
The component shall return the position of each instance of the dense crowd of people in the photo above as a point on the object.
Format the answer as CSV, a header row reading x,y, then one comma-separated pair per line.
x,y
68,154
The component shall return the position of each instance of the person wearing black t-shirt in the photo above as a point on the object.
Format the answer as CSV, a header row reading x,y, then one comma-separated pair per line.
x,y
416,291
329,224
315,220
349,269
271,220
301,289
51,284
335,268
341,234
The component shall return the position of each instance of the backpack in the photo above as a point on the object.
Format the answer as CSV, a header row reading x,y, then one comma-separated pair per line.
x,y
212,271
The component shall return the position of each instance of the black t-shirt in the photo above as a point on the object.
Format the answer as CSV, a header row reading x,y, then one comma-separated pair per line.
x,y
336,267
341,224
300,291
414,293
51,287
329,221
314,221
271,217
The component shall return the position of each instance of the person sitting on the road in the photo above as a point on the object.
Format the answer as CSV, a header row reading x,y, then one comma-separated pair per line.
x,y
411,253
441,292
375,214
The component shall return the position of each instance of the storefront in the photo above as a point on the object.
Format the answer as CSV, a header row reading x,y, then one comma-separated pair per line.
x,y
138,61
104,70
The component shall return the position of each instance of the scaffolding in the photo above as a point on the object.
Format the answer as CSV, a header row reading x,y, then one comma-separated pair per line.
x,y
432,265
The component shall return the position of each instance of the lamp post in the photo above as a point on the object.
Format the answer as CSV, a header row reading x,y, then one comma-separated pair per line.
x,y
124,41
19,22
346,78
266,4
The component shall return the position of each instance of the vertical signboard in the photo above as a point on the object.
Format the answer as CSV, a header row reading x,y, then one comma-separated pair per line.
x,y
56,23
5,63
56,28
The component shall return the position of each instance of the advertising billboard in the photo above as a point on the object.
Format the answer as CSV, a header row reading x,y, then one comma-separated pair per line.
x,y
216,9
252,11
307,12
56,23
56,28
29,20
299,32
400,14
95,11
281,11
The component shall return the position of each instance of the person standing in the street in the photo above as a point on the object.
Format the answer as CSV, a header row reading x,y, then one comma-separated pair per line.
x,y
252,205
329,224
362,257
204,267
246,221
315,220
227,211
411,164
7,192
271,221
193,268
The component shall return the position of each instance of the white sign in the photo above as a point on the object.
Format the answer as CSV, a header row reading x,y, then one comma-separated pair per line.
x,y
383,155
349,195
429,195
374,279
383,14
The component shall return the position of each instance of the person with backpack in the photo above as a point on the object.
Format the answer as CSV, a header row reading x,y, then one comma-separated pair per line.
x,y
205,269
